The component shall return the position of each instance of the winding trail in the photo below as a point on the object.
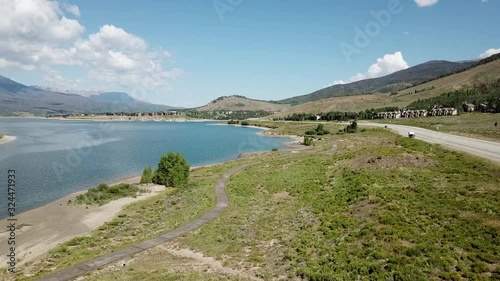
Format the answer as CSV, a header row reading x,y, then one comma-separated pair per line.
x,y
221,204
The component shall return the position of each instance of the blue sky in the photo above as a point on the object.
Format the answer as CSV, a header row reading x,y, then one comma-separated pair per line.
x,y
187,53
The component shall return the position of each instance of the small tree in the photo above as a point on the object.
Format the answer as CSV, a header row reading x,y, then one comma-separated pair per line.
x,y
354,125
308,141
147,175
173,170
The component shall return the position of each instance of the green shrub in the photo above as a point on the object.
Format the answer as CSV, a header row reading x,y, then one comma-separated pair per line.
x,y
103,194
320,130
351,129
173,170
147,175
310,132
308,141
245,123
233,122
274,149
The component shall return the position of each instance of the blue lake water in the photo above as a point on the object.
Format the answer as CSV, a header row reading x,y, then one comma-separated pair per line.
x,y
53,158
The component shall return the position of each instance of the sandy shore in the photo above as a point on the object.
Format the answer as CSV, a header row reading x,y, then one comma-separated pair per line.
x,y
7,139
42,229
295,144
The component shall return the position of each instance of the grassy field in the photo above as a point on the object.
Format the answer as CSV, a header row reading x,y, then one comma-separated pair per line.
x,y
365,206
476,125
137,222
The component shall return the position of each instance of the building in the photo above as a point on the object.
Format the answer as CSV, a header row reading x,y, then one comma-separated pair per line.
x,y
443,111
408,113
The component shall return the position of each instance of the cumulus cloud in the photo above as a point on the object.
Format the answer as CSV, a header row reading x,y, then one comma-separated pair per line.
x,y
37,34
72,9
426,3
388,64
489,53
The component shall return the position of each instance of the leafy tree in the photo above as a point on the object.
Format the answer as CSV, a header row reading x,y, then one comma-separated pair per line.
x,y
147,175
173,170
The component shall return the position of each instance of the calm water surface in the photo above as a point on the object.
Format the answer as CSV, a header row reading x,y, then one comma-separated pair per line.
x,y
54,158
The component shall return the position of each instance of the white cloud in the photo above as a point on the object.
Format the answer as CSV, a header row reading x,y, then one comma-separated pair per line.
x,y
488,53
388,64
37,34
426,3
72,9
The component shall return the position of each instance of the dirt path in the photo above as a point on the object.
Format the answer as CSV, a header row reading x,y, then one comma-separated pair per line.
x,y
221,204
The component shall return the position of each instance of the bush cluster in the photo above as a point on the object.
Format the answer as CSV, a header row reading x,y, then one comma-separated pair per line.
x,y
308,141
103,194
351,129
320,130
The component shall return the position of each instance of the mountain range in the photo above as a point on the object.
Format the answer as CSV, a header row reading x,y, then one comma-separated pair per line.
x,y
18,99
386,84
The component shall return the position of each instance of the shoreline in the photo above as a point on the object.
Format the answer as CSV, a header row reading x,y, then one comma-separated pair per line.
x,y
41,229
113,119
293,144
7,139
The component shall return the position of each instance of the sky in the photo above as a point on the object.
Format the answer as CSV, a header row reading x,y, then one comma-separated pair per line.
x,y
187,53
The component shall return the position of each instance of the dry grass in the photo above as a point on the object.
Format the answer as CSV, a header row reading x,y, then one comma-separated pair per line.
x,y
237,104
475,125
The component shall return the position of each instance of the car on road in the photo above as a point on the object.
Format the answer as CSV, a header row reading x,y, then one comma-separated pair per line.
x,y
411,135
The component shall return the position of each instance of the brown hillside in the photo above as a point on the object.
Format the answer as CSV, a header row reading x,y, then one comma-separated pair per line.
x,y
235,103
481,74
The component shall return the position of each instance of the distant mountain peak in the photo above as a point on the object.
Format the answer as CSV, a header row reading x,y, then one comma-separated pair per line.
x,y
17,98
113,97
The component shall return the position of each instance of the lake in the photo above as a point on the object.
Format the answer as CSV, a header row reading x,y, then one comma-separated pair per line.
x,y
54,158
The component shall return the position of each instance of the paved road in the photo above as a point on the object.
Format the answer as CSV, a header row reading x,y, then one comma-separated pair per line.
x,y
486,149
221,204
